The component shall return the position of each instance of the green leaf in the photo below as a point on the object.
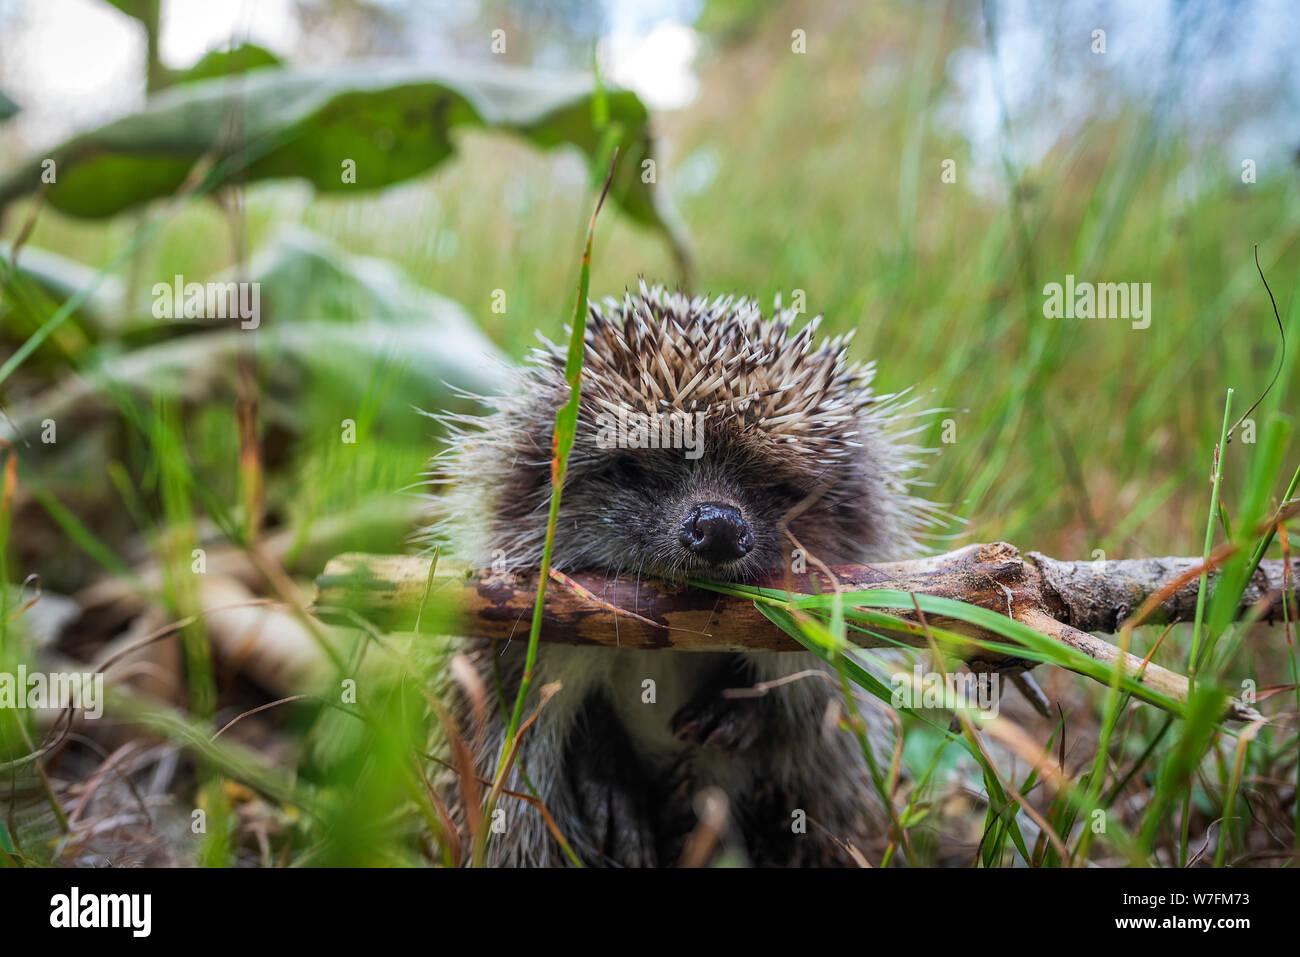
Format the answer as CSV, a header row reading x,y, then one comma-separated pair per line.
x,y
139,9
860,675
388,123
333,314
1023,641
219,63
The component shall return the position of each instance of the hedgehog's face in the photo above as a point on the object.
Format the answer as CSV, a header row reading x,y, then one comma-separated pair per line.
x,y
768,446
711,507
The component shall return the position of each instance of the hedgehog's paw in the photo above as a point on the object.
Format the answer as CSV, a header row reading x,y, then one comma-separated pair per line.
x,y
612,820
617,824
711,720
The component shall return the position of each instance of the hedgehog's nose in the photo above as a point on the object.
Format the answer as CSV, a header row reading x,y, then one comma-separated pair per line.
x,y
716,532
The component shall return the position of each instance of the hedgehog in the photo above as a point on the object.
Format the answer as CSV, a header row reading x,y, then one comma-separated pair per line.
x,y
713,441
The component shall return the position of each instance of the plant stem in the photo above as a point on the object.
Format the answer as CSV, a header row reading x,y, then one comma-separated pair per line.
x,y
1184,835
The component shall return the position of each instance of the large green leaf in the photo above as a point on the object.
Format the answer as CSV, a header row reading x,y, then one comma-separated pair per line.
x,y
392,122
330,314
7,107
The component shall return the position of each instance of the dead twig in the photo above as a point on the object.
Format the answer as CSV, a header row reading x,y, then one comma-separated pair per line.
x,y
1060,599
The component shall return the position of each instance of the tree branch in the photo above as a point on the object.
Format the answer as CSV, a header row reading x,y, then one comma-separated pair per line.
x,y
1063,600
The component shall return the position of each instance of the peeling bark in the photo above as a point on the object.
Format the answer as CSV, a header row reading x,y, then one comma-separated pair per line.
x,y
1063,600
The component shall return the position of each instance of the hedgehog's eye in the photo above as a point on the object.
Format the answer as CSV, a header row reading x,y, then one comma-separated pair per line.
x,y
788,492
626,470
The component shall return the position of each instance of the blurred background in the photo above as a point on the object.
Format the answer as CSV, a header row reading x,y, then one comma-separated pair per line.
x,y
917,172
821,171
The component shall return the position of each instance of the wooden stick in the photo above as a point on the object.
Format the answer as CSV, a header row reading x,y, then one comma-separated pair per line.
x,y
1063,600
